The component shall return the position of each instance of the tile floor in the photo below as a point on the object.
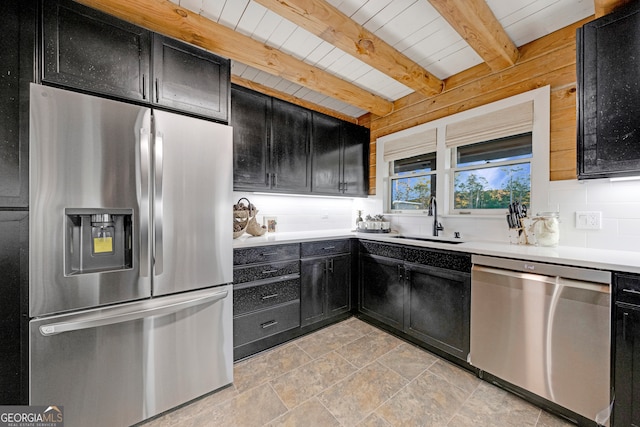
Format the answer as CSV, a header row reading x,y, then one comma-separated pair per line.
x,y
353,374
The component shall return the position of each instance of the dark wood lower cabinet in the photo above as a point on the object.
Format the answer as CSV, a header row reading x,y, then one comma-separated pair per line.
x,y
382,290
14,265
326,288
626,410
438,307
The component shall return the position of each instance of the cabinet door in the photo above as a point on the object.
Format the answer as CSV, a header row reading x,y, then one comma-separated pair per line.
x,y
14,141
626,410
14,231
355,159
313,273
92,51
251,128
290,147
339,285
382,290
190,79
439,307
326,155
608,93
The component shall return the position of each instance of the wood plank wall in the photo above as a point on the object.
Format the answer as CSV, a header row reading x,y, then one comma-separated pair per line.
x,y
550,60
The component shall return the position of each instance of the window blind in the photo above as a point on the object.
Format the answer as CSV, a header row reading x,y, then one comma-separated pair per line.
x,y
498,124
409,146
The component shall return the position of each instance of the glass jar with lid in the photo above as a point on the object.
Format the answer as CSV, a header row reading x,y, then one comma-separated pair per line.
x,y
546,228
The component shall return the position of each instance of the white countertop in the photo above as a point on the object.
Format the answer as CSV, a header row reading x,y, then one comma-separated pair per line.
x,y
568,255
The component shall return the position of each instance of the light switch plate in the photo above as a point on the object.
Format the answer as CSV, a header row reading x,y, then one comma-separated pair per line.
x,y
588,220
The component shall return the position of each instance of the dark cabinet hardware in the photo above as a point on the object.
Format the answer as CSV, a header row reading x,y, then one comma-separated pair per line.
x,y
631,291
269,271
328,248
269,296
269,324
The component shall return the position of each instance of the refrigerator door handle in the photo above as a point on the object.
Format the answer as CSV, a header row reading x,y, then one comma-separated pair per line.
x,y
145,264
93,321
157,205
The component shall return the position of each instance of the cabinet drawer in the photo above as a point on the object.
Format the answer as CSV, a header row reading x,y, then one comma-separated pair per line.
x,y
628,289
251,298
327,247
264,323
266,254
265,271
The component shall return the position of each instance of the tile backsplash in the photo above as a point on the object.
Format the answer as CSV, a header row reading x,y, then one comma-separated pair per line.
x,y
619,203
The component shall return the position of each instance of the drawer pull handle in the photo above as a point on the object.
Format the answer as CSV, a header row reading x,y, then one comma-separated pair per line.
x,y
631,291
269,296
329,248
269,324
269,253
269,271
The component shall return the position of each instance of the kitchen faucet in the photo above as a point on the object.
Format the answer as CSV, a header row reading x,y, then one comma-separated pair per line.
x,y
433,211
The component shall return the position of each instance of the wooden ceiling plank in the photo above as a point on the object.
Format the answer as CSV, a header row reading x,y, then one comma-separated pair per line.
x,y
327,22
165,17
604,7
478,26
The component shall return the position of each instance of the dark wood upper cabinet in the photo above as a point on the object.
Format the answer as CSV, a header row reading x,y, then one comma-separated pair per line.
x,y
251,124
90,50
355,159
190,79
17,20
608,68
290,134
326,155
340,154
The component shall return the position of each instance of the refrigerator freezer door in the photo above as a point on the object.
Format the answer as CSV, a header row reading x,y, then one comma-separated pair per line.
x,y
192,207
86,154
122,364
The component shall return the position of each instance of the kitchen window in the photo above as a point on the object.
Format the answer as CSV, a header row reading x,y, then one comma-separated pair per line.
x,y
492,174
475,162
413,182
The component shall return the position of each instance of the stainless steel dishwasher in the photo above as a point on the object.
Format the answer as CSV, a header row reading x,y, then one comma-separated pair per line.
x,y
544,328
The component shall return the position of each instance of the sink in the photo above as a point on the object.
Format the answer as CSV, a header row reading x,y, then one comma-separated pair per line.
x,y
431,239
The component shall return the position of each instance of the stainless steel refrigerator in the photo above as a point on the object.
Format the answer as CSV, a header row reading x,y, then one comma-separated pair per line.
x,y
130,300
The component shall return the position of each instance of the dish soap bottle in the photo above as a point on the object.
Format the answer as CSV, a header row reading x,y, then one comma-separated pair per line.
x,y
358,219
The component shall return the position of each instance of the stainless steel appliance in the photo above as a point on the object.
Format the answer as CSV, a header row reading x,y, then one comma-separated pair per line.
x,y
130,258
544,328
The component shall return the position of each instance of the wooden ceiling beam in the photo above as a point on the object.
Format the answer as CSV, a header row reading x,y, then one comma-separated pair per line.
x,y
169,19
604,7
327,22
478,26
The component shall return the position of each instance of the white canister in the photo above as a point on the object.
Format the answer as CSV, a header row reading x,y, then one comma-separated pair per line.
x,y
546,228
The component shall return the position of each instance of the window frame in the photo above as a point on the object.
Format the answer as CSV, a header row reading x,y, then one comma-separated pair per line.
x,y
444,174
393,176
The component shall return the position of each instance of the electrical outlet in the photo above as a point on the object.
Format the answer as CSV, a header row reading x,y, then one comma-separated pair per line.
x,y
588,220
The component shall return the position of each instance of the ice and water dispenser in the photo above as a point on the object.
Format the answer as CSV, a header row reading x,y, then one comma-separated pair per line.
x,y
98,240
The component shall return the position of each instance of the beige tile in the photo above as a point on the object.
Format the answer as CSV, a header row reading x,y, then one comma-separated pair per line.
x,y
548,420
408,360
363,327
455,375
309,414
328,339
354,398
265,367
490,406
374,420
429,400
302,383
368,348
255,407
